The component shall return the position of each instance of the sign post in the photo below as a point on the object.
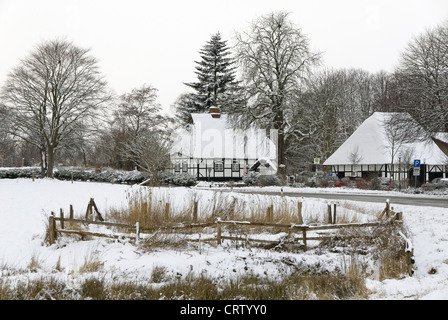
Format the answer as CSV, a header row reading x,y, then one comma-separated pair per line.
x,y
416,170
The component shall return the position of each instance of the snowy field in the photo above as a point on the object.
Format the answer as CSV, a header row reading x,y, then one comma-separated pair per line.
x,y
25,206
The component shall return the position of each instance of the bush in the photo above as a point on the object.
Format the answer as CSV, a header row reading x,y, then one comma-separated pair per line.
x,y
184,179
339,184
375,183
362,183
179,179
107,175
250,179
14,173
269,180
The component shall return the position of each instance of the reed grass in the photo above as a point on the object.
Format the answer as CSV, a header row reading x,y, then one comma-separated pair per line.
x,y
296,286
155,209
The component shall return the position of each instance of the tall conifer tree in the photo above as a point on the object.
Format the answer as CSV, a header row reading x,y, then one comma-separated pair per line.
x,y
216,85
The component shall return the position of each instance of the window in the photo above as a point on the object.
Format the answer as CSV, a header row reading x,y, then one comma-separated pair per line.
x,y
184,167
177,167
235,167
219,166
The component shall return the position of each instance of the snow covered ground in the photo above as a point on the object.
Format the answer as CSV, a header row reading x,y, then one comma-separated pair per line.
x,y
25,206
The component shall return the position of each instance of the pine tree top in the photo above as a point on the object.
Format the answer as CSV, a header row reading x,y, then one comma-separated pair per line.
x,y
215,73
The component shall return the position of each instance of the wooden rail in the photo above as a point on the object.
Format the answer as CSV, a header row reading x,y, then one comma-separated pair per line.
x,y
53,230
303,229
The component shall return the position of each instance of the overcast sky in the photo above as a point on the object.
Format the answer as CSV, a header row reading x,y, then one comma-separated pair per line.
x,y
158,42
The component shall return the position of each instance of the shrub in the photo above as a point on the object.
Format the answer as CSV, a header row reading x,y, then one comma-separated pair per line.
x,y
250,179
179,179
106,175
339,184
375,183
269,180
14,173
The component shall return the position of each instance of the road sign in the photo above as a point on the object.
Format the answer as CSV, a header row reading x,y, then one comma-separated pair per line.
x,y
416,163
316,160
416,171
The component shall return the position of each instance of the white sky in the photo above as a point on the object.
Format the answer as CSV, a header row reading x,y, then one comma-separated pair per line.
x,y
158,42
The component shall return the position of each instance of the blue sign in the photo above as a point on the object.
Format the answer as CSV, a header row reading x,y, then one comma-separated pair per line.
x,y
416,163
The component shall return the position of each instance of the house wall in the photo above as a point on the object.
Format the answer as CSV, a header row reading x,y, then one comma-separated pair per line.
x,y
403,172
213,169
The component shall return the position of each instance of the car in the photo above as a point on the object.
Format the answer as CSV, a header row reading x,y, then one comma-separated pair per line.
x,y
439,183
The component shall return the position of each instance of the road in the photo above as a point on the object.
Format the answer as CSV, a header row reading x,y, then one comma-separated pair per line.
x,y
429,201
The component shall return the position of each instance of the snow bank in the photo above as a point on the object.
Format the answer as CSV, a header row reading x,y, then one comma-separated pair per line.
x,y
25,206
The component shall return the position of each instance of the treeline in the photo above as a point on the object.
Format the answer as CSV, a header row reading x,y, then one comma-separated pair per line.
x,y
55,106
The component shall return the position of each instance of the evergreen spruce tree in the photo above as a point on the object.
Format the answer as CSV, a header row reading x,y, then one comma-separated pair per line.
x,y
216,85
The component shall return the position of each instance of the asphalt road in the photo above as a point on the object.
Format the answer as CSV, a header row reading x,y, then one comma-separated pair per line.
x,y
418,200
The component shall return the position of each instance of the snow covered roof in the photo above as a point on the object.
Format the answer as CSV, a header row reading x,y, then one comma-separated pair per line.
x,y
372,143
442,136
210,137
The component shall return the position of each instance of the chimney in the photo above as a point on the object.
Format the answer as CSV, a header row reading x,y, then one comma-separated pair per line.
x,y
215,112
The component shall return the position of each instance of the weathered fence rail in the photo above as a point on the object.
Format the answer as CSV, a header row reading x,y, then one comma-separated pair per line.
x,y
303,229
53,230
296,233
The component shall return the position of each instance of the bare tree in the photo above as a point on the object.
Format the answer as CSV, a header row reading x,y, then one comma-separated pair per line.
x,y
149,152
335,103
142,130
49,93
276,59
423,79
398,135
139,111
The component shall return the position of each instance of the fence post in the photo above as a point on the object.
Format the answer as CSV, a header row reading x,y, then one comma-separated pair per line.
x,y
218,231
270,213
89,209
51,228
167,211
71,212
93,204
232,209
387,209
195,212
299,209
137,232
61,215
304,239
334,213
329,213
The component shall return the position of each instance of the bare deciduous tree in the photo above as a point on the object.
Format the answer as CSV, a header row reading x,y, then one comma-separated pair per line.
x,y
276,58
144,132
423,79
49,93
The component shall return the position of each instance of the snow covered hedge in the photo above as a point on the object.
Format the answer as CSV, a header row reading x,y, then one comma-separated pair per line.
x,y
14,173
178,179
105,175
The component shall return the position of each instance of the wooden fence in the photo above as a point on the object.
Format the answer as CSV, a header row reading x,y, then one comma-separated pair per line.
x,y
303,229
296,233
53,230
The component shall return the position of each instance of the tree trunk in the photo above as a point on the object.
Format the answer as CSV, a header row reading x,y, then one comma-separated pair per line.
x,y
50,163
47,162
43,163
278,125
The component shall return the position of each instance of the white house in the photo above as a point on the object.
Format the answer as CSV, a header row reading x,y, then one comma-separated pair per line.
x,y
375,147
211,149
